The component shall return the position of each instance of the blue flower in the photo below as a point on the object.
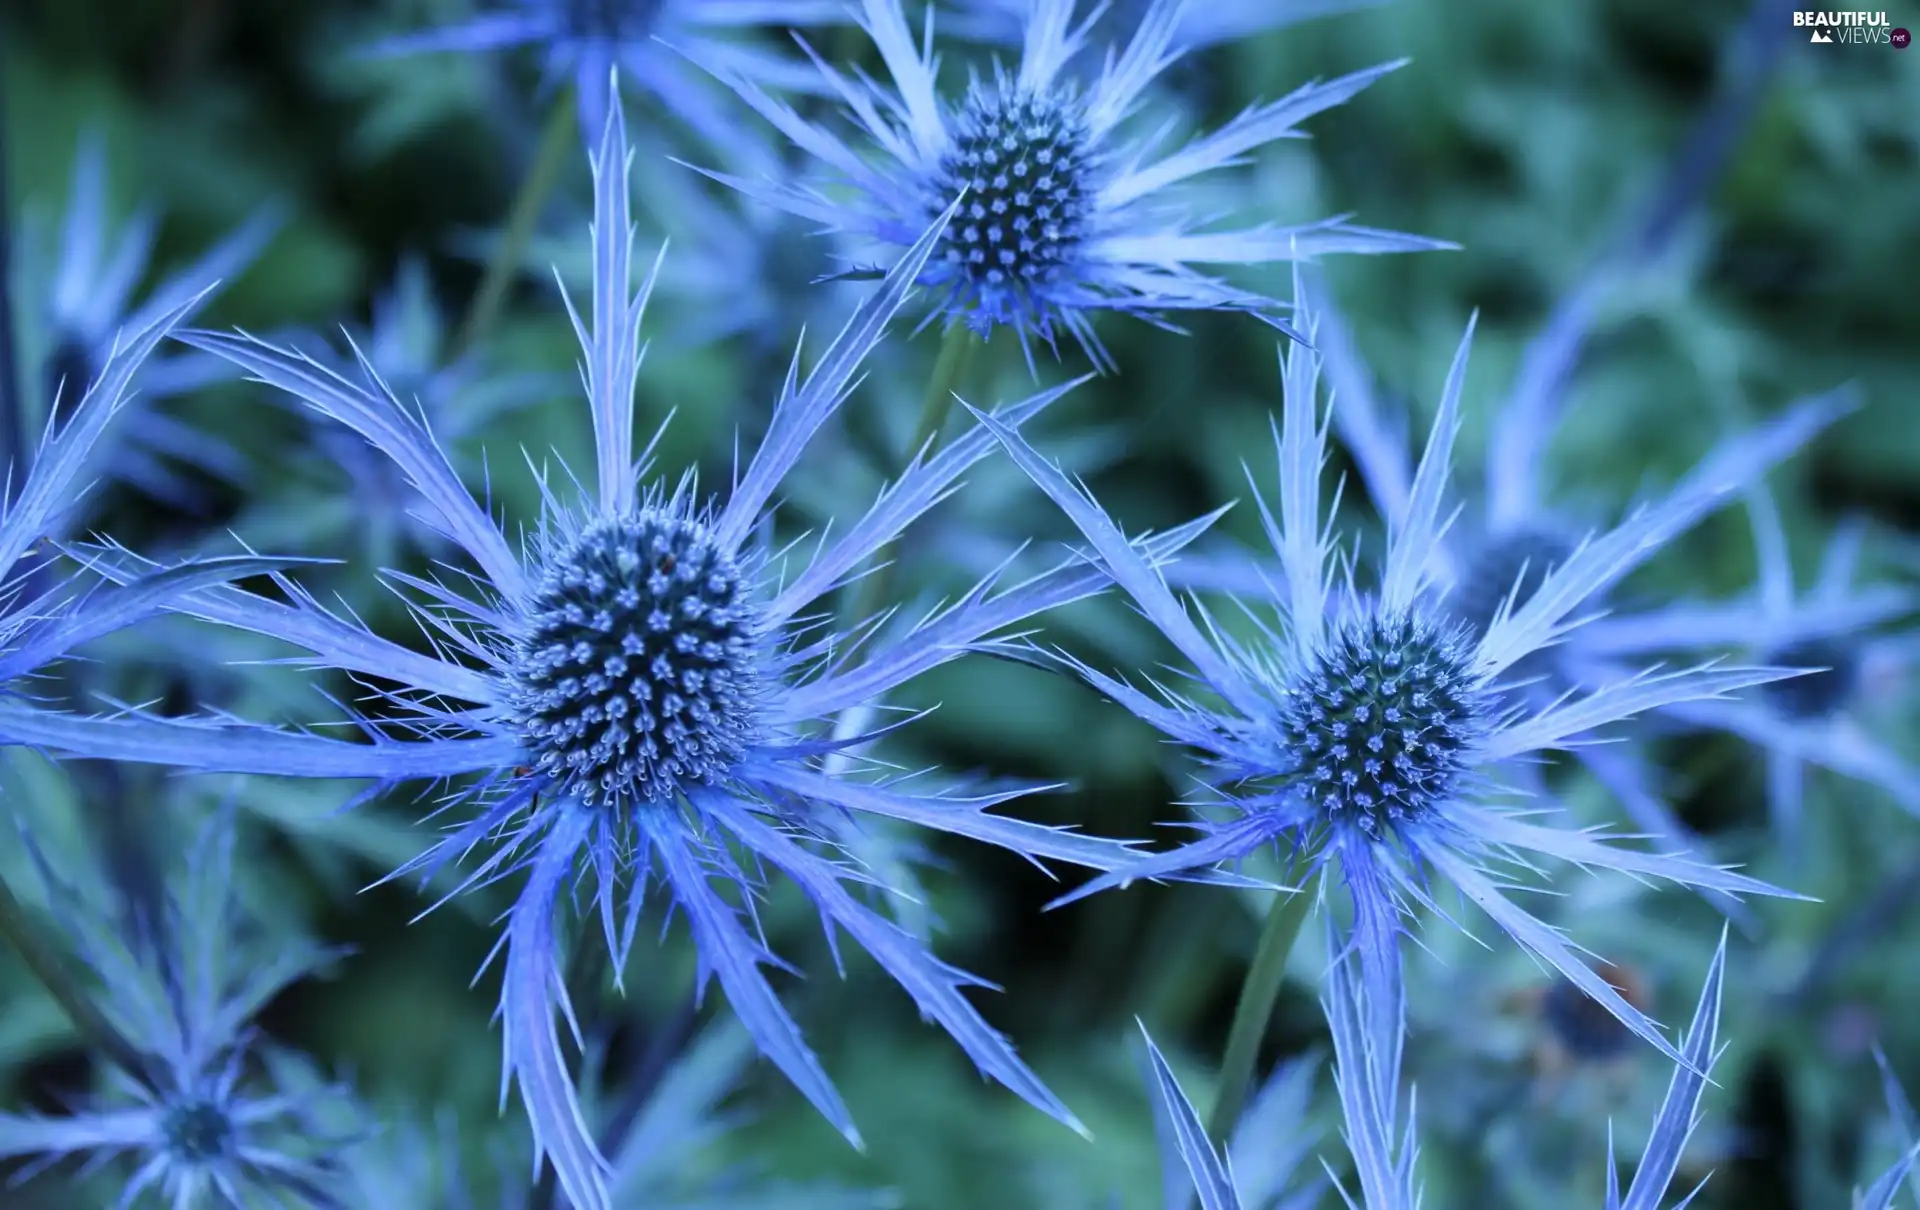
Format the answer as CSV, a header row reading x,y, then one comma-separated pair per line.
x,y
1065,214
1514,529
1264,1152
1839,630
1513,534
197,1121
583,41
644,685
75,309
1375,732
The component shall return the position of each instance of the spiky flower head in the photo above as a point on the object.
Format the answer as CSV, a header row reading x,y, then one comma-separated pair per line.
x,y
73,310
637,669
1064,213
1515,527
642,687
1844,634
204,1120
1367,730
1384,720
582,41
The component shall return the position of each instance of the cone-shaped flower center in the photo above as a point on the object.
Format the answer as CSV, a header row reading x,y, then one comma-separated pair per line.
x,y
197,1130
1522,558
1814,694
1379,727
637,669
1023,157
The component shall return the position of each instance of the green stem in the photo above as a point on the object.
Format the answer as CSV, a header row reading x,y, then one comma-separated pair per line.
x,y
957,347
48,966
548,160
1258,995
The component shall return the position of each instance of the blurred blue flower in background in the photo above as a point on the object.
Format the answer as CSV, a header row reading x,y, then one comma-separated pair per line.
x,y
1839,630
72,310
197,1108
582,41
1063,214
407,348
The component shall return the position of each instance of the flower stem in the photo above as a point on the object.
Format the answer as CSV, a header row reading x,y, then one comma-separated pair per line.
x,y
53,972
548,160
1258,994
957,347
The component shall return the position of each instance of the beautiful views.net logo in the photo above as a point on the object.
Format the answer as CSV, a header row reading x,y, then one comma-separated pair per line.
x,y
1864,28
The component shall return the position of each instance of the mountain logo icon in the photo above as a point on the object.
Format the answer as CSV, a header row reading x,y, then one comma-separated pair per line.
x,y
1820,37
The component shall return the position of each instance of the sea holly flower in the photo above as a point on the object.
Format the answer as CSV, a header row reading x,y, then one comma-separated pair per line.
x,y
1065,213
583,41
1515,524
74,309
198,1123
1512,534
1840,630
1368,731
643,689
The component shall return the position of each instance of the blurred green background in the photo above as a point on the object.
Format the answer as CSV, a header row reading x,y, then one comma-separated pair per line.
x,y
1526,132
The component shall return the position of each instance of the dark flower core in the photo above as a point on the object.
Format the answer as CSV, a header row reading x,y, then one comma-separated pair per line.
x,y
197,1130
1024,158
1522,558
1379,727
1814,694
620,20
636,672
